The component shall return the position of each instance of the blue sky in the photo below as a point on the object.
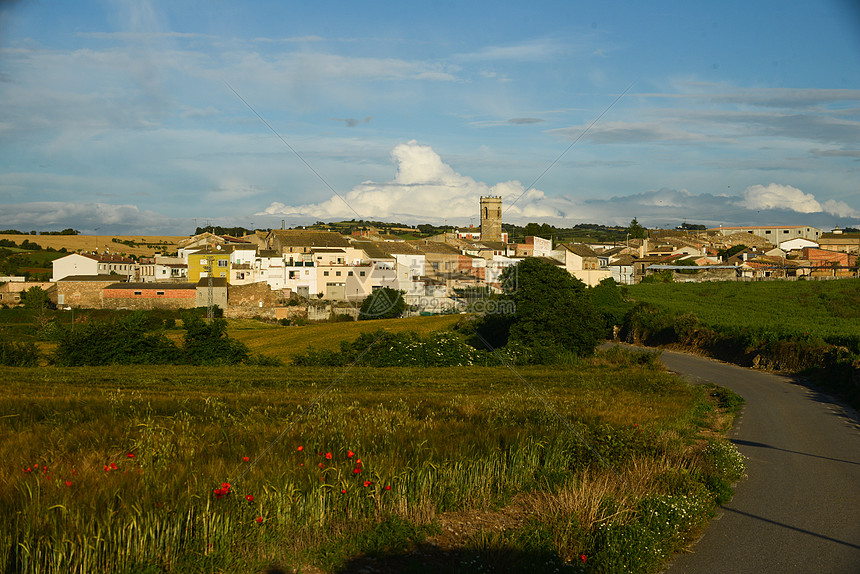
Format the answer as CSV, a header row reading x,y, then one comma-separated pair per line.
x,y
128,117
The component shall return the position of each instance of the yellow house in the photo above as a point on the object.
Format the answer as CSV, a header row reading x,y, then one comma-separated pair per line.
x,y
209,261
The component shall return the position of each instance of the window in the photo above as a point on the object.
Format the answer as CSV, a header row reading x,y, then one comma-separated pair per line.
x,y
325,273
159,292
767,232
222,263
204,262
138,293
223,274
337,273
785,230
361,273
350,273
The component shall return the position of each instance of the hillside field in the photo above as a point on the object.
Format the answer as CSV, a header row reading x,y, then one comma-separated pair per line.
x,y
148,245
803,310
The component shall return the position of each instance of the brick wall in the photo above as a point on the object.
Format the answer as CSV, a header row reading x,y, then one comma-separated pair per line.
x,y
149,298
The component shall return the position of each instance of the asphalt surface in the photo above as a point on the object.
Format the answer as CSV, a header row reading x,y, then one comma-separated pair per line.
x,y
798,510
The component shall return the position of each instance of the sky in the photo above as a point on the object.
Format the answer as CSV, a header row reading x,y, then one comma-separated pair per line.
x,y
155,117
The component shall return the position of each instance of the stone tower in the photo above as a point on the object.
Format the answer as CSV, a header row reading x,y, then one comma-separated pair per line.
x,y
491,218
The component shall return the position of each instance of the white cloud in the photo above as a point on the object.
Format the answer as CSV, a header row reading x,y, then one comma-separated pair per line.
x,y
776,196
786,197
424,188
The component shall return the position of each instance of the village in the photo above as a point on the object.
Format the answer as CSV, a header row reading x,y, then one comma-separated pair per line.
x,y
284,274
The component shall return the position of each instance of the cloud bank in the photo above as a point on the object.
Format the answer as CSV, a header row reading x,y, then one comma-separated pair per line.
x,y
424,188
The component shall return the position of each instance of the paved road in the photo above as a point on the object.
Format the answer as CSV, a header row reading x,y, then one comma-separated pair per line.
x,y
799,508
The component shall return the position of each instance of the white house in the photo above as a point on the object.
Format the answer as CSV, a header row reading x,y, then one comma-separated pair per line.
x,y
74,264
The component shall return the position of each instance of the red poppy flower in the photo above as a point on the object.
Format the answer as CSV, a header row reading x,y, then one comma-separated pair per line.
x,y
328,455
367,483
300,449
225,485
387,487
245,459
319,453
343,491
74,472
107,468
358,462
302,464
130,455
259,520
321,465
583,557
112,466
249,497
356,470
68,483
349,454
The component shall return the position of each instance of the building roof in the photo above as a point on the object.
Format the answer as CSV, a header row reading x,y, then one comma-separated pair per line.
x,y
216,282
88,278
373,250
151,286
580,249
306,238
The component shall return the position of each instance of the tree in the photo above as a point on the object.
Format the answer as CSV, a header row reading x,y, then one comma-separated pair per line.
x,y
35,298
385,303
552,312
636,231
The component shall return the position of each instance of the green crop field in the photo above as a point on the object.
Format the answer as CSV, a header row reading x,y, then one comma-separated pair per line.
x,y
825,310
284,342
607,466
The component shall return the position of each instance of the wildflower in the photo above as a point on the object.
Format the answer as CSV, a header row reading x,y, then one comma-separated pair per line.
x,y
343,491
259,520
225,485
321,465
349,454
583,557
112,466
328,455
130,455
249,497
367,483
107,468
245,459
358,462
356,470
74,472
301,448
69,483
387,487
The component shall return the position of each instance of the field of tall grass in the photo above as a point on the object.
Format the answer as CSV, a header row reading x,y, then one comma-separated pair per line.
x,y
607,466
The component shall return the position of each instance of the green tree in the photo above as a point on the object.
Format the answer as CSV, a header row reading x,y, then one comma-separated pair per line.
x,y
385,303
207,343
636,231
35,298
552,312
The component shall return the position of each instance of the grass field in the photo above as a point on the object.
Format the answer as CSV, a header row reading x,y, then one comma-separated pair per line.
x,y
825,310
284,342
605,467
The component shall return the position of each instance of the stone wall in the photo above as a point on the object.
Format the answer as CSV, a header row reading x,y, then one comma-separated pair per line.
x,y
82,294
253,294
